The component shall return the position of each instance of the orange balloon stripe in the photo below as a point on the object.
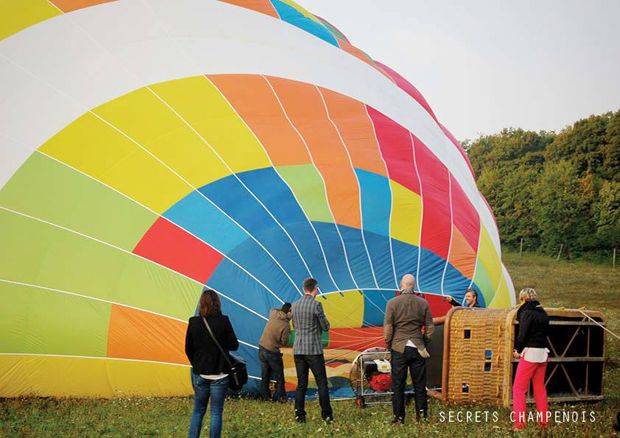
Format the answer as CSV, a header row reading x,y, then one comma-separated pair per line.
x,y
356,129
360,54
262,6
135,334
255,102
253,99
306,110
341,338
462,256
72,5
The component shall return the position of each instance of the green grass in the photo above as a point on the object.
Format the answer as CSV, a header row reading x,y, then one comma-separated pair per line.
x,y
567,284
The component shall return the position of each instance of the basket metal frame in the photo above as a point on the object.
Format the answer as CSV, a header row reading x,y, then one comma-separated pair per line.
x,y
362,394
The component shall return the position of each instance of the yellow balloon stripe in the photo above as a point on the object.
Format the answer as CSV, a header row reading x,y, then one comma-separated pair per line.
x,y
406,214
203,109
492,267
501,300
97,149
16,15
41,375
346,310
146,119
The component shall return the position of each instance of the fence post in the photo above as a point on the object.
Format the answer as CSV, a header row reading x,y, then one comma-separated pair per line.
x,y
560,251
521,247
613,259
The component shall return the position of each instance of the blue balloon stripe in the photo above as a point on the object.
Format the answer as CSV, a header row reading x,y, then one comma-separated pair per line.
x,y
376,202
357,256
236,284
381,256
293,16
374,306
376,199
267,185
336,258
200,218
405,258
431,271
237,201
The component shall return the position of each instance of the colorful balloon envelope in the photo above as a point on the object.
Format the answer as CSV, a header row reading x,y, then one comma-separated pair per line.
x,y
151,149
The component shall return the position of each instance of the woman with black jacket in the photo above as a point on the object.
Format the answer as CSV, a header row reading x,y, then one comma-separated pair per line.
x,y
209,367
530,349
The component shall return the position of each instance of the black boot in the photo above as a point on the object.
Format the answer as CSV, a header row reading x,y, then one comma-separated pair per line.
x,y
421,416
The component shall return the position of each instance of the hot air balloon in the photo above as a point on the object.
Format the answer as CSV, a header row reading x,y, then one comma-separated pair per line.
x,y
150,149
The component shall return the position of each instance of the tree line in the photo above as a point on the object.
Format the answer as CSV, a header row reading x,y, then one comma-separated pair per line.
x,y
554,189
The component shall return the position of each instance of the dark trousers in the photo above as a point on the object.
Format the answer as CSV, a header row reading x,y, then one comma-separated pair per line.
x,y
410,360
272,367
316,364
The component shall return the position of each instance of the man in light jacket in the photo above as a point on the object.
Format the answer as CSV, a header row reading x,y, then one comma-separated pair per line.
x,y
275,335
407,328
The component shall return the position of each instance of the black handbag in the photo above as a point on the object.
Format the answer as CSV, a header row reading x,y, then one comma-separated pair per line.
x,y
238,375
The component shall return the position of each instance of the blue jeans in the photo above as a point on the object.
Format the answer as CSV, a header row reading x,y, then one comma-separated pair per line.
x,y
203,390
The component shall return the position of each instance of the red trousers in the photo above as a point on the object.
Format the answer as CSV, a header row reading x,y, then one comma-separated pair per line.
x,y
535,372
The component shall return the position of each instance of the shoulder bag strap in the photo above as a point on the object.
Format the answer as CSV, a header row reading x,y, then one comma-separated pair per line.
x,y
217,343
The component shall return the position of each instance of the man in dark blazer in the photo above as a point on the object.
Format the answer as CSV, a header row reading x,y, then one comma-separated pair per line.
x,y
309,321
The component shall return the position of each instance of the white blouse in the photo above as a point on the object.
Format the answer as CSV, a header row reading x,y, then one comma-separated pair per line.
x,y
535,355
213,376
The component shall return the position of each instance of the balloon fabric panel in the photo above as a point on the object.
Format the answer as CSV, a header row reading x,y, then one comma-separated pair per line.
x,y
166,162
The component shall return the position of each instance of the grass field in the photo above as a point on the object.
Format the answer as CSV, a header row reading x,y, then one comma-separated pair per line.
x,y
560,284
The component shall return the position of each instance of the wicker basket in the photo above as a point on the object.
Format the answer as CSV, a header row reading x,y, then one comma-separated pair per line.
x,y
478,366
474,340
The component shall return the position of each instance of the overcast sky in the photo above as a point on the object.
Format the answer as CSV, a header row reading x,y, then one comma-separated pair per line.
x,y
488,64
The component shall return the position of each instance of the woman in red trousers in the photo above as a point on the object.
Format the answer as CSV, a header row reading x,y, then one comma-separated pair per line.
x,y
530,349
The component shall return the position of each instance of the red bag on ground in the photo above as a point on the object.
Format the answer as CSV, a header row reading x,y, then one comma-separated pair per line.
x,y
380,382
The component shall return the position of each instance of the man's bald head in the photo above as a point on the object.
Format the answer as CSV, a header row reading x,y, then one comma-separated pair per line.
x,y
407,282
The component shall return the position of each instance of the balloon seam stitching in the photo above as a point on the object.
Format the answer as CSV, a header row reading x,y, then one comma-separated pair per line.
x,y
303,140
122,250
159,216
359,186
93,298
283,181
391,194
445,267
417,173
